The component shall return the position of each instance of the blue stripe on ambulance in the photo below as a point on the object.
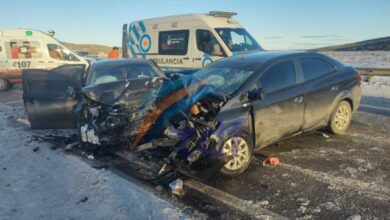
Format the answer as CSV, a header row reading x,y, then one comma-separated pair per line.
x,y
142,26
136,32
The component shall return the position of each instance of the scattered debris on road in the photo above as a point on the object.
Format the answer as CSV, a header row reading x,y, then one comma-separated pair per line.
x,y
177,187
271,161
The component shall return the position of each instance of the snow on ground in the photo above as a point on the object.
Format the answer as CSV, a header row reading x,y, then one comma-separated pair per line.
x,y
39,183
362,58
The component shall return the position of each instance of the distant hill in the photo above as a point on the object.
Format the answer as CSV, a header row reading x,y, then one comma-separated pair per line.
x,y
93,49
370,45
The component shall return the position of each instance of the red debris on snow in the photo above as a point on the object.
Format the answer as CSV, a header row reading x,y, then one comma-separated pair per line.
x,y
272,161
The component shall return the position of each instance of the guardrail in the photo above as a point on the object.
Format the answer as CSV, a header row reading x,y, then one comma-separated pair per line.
x,y
369,72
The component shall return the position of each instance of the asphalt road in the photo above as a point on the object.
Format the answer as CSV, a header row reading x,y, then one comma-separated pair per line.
x,y
320,176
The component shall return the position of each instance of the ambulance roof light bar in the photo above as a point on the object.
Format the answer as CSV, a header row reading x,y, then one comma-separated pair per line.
x,y
222,14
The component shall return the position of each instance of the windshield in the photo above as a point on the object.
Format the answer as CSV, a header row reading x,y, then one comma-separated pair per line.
x,y
116,72
227,78
238,39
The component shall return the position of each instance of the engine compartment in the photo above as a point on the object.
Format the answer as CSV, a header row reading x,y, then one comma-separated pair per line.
x,y
187,143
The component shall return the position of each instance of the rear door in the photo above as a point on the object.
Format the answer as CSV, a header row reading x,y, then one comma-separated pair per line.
x,y
280,113
50,96
321,89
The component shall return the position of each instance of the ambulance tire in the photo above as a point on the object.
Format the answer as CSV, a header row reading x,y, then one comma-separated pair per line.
x,y
4,84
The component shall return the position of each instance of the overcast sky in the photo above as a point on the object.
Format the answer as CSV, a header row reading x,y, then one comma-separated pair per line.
x,y
276,24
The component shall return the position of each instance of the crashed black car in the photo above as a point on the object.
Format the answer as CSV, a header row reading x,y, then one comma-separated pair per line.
x,y
199,124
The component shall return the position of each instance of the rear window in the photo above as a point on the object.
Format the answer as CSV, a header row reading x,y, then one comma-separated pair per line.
x,y
280,76
313,67
173,42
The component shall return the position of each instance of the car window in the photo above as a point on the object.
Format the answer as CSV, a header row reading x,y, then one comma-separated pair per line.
x,y
279,76
238,39
313,67
207,43
173,42
23,49
60,53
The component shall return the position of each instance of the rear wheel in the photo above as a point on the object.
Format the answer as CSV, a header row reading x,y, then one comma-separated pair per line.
x,y
3,85
239,147
341,118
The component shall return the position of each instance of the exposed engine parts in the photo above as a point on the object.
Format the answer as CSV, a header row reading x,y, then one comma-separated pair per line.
x,y
186,140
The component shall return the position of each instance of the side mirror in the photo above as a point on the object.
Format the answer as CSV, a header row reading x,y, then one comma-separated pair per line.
x,y
252,95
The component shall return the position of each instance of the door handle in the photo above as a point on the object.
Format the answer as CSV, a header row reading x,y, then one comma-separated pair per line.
x,y
335,88
198,58
298,99
186,58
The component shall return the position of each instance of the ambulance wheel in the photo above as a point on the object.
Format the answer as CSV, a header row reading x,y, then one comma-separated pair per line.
x,y
4,85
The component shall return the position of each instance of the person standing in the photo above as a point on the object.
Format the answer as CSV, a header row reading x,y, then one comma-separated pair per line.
x,y
114,54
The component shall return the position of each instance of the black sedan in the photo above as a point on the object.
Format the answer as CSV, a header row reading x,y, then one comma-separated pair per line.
x,y
210,121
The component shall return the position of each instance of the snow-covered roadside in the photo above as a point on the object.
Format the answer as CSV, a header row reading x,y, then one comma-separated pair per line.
x,y
362,58
376,96
39,183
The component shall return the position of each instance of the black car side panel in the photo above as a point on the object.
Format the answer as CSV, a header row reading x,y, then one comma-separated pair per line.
x,y
50,95
278,115
320,95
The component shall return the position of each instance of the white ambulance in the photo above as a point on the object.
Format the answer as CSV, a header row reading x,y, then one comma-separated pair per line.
x,y
31,49
187,43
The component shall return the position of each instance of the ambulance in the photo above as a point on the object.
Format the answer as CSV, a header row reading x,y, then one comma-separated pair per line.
x,y
186,43
31,49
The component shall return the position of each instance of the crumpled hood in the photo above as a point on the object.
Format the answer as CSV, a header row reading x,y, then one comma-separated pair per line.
x,y
136,91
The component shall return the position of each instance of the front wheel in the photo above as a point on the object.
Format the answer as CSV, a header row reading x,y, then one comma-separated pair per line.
x,y
340,118
238,146
3,85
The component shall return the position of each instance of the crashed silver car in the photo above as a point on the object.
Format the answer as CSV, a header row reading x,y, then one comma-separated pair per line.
x,y
198,124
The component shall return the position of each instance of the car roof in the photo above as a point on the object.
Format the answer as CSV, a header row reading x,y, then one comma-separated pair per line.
x,y
262,57
121,61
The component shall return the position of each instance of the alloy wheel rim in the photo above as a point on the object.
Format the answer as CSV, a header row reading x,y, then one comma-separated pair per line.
x,y
238,148
342,117
2,84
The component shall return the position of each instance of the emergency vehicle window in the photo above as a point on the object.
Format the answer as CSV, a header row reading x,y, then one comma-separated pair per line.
x,y
60,53
173,42
23,49
207,43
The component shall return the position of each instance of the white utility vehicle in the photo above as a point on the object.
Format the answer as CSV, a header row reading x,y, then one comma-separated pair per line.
x,y
186,43
31,49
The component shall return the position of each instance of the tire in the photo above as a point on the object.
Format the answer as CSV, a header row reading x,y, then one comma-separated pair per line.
x,y
340,118
4,85
243,146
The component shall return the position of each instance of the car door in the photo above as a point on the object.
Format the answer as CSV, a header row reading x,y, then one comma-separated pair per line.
x,y
207,48
50,96
280,112
321,89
